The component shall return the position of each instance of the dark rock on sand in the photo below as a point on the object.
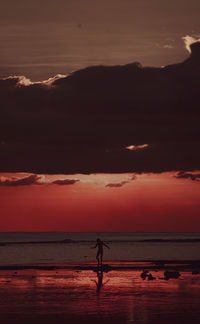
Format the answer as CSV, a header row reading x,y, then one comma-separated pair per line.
x,y
144,274
171,275
150,277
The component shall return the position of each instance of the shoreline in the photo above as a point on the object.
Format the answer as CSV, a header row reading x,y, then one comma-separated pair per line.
x,y
181,265
70,241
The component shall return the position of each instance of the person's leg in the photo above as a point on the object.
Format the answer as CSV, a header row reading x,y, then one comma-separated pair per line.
x,y
97,257
101,256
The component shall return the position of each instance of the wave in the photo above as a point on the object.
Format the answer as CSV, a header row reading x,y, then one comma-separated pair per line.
x,y
69,241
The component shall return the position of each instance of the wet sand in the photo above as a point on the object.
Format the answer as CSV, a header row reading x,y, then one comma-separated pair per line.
x,y
67,294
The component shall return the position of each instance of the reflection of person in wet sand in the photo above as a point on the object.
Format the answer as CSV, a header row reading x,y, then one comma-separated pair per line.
x,y
99,282
99,245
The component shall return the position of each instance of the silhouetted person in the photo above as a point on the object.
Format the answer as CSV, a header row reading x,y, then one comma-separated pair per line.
x,y
99,245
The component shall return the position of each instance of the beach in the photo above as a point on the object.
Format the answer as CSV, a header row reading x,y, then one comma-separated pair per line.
x,y
69,294
146,278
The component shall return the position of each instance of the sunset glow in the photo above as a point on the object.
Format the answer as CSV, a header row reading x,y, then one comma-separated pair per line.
x,y
188,40
101,202
137,147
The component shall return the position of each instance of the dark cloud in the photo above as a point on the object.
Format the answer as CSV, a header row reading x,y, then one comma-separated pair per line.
x,y
83,123
187,175
65,182
117,185
34,179
26,181
122,183
8,82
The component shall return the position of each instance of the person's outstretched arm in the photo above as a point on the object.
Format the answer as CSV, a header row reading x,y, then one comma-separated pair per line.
x,y
106,245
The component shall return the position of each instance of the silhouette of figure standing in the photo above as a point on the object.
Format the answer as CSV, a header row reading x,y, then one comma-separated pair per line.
x,y
99,245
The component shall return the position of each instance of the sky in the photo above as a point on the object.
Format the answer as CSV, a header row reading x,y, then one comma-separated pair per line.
x,y
99,115
40,39
101,202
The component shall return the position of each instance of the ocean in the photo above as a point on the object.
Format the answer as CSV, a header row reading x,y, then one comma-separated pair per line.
x,y
17,248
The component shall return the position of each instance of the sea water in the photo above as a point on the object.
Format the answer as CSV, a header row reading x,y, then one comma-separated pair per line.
x,y
48,247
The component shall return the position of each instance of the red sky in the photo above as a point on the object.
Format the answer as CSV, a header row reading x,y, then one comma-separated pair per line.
x,y
147,202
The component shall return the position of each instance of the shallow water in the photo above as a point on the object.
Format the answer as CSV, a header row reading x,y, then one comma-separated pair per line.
x,y
123,246
119,296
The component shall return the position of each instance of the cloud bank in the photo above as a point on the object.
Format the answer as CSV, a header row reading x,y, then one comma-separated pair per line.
x,y
117,185
189,40
188,175
26,181
33,179
84,122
